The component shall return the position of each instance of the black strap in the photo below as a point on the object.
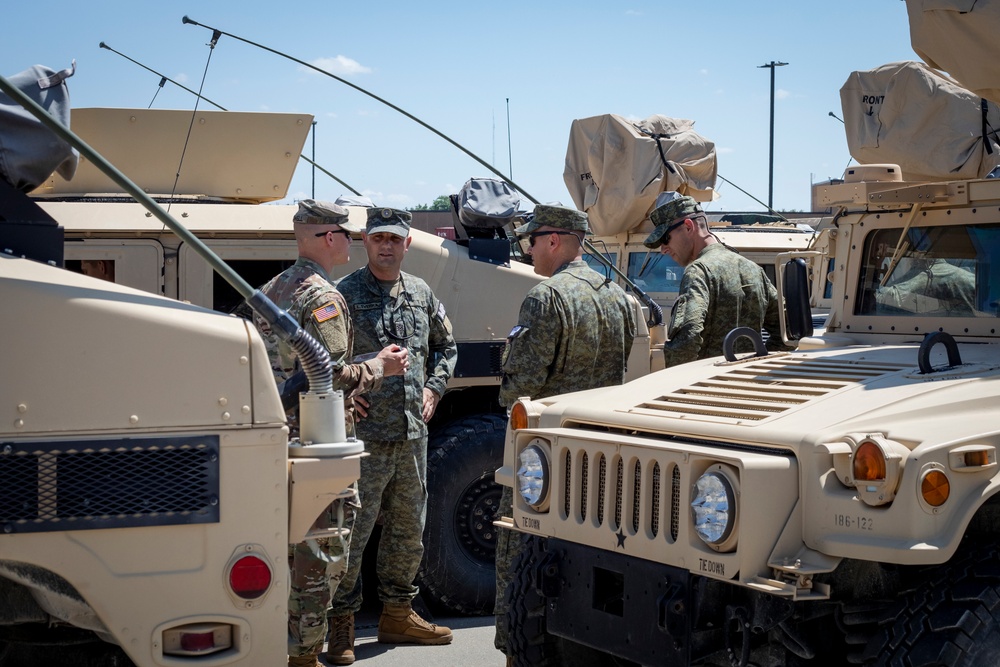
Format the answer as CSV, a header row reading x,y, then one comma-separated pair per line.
x,y
985,108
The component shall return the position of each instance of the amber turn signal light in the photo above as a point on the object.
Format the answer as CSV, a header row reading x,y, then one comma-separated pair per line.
x,y
935,488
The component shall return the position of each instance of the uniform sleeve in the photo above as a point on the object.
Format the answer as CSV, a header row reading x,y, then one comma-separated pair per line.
x,y
530,351
687,319
328,321
630,327
442,349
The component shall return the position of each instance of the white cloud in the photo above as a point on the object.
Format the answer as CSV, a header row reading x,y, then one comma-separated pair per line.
x,y
781,94
633,12
724,150
340,65
181,78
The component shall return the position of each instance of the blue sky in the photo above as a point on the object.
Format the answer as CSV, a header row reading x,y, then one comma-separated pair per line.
x,y
464,67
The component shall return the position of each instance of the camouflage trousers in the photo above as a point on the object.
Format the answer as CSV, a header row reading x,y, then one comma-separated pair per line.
x,y
393,483
317,567
508,546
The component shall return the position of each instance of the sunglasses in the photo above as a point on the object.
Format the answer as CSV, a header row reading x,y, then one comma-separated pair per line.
x,y
666,239
533,235
334,231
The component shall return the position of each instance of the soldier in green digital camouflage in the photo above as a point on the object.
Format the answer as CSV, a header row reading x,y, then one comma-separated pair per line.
x,y
323,236
574,332
393,307
720,289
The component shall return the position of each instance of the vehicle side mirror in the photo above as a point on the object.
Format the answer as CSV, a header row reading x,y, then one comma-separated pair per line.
x,y
795,286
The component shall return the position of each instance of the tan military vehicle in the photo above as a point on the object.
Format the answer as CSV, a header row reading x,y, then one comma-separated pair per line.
x,y
222,198
832,505
148,489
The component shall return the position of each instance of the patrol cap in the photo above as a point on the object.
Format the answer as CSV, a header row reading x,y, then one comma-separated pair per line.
x,y
670,207
388,221
354,200
313,212
553,215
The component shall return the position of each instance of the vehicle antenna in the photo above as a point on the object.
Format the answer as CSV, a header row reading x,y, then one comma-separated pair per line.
x,y
475,157
655,312
510,157
752,197
163,78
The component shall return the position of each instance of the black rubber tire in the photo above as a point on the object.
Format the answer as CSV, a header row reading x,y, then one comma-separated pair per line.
x,y
951,618
94,653
530,643
458,571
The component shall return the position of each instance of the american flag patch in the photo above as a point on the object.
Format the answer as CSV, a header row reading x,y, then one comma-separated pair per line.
x,y
327,312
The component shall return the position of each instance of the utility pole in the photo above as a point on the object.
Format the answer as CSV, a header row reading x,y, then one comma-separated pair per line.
x,y
770,162
314,159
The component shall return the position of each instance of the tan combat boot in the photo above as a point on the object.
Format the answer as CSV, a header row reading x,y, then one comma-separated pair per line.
x,y
304,661
399,624
340,645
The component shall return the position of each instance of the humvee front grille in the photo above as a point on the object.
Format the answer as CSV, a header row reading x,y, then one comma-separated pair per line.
x,y
756,391
612,488
80,485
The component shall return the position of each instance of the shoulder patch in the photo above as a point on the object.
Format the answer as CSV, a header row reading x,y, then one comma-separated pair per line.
x,y
440,311
327,312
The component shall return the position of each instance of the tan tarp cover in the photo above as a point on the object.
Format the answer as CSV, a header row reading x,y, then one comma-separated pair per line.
x,y
962,38
614,171
908,114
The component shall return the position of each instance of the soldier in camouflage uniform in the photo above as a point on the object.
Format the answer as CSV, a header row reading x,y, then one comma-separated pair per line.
x,y
720,289
574,332
390,306
323,235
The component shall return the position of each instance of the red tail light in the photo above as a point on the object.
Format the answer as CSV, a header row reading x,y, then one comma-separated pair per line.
x,y
250,577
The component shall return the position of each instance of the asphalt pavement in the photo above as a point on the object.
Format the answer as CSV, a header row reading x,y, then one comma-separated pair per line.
x,y
471,647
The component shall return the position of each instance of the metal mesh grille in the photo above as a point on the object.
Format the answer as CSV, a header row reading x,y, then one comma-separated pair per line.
x,y
636,495
568,484
108,483
584,472
675,500
602,487
619,478
654,517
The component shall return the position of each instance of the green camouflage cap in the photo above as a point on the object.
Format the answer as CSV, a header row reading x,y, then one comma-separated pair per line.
x,y
550,215
313,212
670,208
389,221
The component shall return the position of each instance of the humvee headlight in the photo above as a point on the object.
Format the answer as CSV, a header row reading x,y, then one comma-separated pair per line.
x,y
869,463
533,474
714,508
876,466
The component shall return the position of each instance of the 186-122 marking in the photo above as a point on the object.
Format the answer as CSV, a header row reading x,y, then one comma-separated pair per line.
x,y
855,522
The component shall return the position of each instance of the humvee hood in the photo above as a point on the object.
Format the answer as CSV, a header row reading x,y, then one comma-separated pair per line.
x,y
785,398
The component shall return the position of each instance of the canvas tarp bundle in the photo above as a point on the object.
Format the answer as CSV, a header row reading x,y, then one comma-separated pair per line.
x,y
960,38
29,151
908,114
615,167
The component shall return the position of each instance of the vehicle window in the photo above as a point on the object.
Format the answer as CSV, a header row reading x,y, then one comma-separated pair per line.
x,y
942,271
256,272
654,271
597,265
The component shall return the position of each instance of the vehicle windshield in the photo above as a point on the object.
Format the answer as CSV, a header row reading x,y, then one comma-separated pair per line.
x,y
950,271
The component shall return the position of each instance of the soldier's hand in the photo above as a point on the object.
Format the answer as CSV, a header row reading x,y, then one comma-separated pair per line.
x,y
360,408
431,400
395,360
